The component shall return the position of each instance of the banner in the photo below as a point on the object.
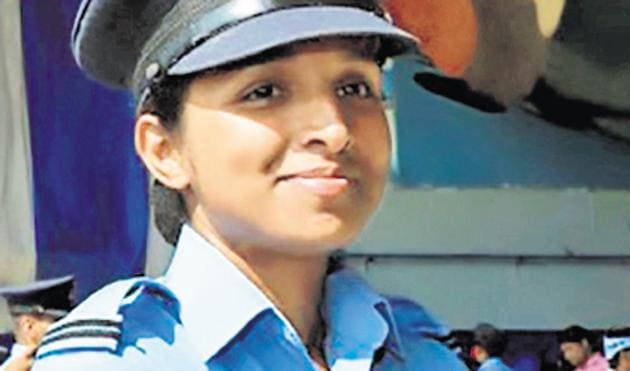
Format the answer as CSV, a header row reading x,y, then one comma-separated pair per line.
x,y
89,189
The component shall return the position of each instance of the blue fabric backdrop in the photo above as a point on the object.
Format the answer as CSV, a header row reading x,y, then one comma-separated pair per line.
x,y
445,144
89,187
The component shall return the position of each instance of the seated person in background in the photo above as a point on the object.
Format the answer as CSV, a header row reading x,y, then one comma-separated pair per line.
x,y
576,345
488,346
617,349
33,308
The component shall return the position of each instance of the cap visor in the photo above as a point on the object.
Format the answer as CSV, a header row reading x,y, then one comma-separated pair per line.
x,y
283,27
34,287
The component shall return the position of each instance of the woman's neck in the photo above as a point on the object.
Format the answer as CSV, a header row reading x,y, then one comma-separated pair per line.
x,y
293,283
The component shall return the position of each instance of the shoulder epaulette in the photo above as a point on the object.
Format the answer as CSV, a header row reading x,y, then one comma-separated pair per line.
x,y
96,324
82,333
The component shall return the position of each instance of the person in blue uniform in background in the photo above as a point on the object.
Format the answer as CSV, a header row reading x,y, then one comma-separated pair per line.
x,y
489,344
33,308
262,124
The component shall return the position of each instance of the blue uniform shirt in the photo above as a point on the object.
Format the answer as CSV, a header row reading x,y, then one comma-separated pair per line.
x,y
206,314
494,364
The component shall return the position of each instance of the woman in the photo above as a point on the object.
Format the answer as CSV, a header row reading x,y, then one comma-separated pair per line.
x,y
262,124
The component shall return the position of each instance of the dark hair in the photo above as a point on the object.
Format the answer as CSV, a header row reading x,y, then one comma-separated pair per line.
x,y
575,334
165,98
490,338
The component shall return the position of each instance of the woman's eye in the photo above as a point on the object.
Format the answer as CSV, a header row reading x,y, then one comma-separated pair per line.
x,y
357,89
263,92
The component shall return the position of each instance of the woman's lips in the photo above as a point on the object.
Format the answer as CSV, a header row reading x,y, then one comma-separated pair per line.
x,y
326,186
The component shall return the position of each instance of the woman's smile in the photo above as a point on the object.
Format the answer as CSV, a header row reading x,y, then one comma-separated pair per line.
x,y
323,181
328,186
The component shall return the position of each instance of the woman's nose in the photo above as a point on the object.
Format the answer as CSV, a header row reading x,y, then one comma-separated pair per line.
x,y
326,127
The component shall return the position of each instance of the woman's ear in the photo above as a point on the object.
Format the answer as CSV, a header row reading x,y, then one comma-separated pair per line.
x,y
157,147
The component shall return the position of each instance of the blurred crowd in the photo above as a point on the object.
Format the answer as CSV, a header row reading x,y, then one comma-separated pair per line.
x,y
487,348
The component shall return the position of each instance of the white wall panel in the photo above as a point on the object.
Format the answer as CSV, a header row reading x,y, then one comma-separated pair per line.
x,y
500,221
427,226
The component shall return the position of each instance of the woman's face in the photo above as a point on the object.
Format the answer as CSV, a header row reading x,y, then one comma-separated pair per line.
x,y
292,153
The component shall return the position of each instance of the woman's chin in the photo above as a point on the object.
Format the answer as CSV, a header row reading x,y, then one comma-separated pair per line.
x,y
318,243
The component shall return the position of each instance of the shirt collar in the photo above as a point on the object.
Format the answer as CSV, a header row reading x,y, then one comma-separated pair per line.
x,y
208,285
359,320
